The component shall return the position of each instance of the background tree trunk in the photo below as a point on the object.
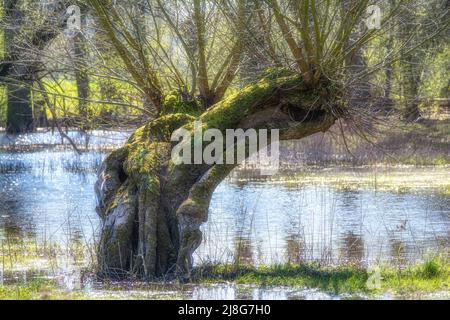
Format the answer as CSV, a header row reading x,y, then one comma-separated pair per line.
x,y
22,58
81,71
358,91
19,109
410,87
19,116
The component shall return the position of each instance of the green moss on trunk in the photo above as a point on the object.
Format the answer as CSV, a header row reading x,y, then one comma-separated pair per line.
x,y
157,230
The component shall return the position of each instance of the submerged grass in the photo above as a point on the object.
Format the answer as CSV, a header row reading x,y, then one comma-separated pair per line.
x,y
28,255
398,179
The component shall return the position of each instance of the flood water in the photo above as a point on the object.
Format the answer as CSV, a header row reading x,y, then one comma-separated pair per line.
x,y
47,195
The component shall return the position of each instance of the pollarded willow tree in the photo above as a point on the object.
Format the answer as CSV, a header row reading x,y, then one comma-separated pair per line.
x,y
185,56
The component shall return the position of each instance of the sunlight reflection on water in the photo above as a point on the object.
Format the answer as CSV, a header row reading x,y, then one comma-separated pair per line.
x,y
48,196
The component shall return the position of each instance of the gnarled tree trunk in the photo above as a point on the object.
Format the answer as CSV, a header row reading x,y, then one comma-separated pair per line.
x,y
152,209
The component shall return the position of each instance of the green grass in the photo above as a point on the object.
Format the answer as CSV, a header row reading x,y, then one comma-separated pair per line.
x,y
37,290
430,276
43,289
331,279
68,105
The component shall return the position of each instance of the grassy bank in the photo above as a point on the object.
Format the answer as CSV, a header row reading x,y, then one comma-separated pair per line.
x,y
430,276
37,290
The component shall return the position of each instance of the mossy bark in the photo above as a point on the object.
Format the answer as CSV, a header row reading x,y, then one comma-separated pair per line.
x,y
152,209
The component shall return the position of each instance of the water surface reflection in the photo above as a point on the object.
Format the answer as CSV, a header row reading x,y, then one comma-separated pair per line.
x,y
48,196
